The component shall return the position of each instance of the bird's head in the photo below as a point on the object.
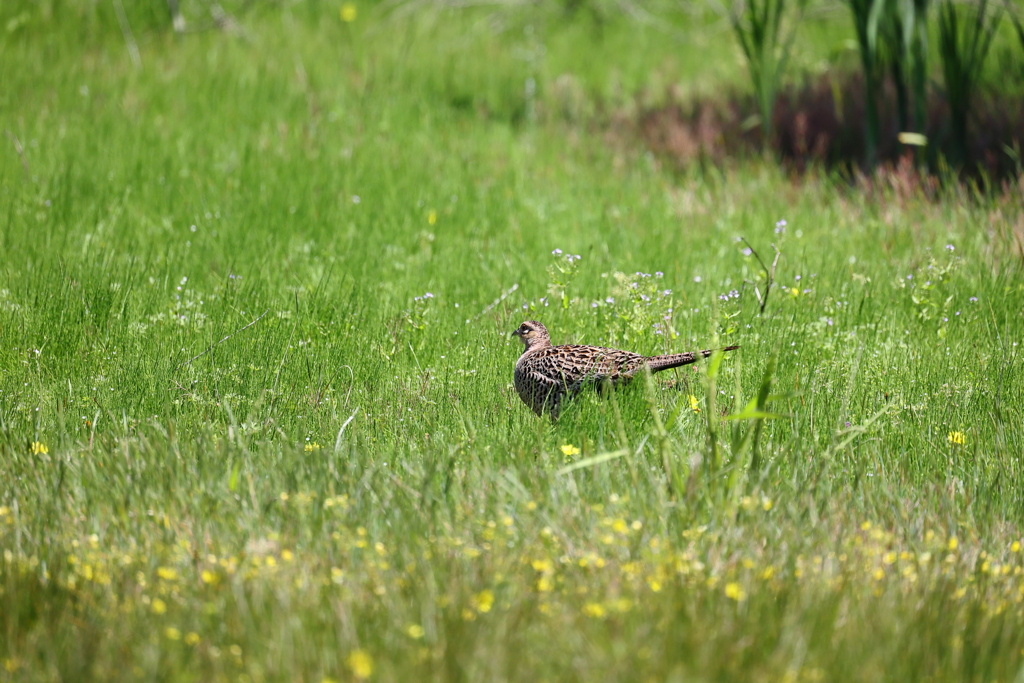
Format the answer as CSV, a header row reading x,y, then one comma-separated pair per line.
x,y
532,333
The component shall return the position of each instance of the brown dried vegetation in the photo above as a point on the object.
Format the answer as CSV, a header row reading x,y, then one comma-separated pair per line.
x,y
820,124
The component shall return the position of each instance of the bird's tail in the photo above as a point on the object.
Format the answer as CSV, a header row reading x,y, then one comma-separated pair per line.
x,y
674,360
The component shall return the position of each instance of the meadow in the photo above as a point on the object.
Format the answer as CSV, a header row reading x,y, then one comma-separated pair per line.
x,y
257,420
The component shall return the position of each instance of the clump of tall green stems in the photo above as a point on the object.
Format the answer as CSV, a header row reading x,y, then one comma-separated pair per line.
x,y
892,35
964,42
758,25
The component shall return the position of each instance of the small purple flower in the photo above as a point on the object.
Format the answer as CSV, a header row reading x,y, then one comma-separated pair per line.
x,y
556,252
748,251
910,277
658,273
609,300
973,299
950,247
593,305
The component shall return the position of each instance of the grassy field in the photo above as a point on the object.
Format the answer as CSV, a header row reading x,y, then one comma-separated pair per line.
x,y
256,413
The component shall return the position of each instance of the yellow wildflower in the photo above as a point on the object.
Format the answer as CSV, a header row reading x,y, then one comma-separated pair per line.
x,y
310,447
39,448
159,606
432,217
172,633
192,638
595,610
734,591
483,601
349,12
415,631
953,543
1015,547
167,573
694,404
541,565
568,449
958,438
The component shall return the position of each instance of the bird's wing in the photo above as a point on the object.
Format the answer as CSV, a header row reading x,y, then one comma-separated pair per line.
x,y
574,365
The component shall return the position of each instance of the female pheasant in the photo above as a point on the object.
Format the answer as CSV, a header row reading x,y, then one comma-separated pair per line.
x,y
546,375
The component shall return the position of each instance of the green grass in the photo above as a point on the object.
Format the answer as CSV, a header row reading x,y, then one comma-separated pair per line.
x,y
247,451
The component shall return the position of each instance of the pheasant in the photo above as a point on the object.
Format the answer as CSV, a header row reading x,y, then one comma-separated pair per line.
x,y
546,375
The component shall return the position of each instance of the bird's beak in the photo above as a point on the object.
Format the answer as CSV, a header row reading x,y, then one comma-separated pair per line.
x,y
515,333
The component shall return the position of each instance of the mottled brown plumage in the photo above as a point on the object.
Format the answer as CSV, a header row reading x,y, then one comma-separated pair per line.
x,y
546,375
